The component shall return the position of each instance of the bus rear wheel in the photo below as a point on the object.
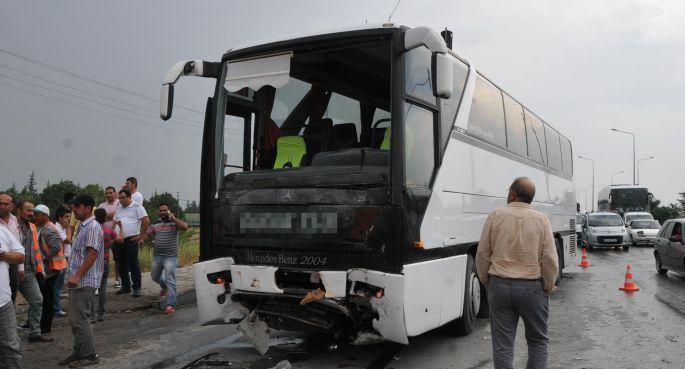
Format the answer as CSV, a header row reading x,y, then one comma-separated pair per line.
x,y
472,300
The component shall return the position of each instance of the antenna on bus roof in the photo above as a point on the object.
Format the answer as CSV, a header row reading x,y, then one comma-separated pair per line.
x,y
393,10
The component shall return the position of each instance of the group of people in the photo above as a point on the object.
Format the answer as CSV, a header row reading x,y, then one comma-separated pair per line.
x,y
38,257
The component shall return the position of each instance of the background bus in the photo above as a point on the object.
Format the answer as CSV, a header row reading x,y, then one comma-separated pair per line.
x,y
357,168
624,198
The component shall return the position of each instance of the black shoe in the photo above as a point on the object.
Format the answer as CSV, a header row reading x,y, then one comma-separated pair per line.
x,y
122,292
136,293
101,318
85,361
24,326
68,360
40,339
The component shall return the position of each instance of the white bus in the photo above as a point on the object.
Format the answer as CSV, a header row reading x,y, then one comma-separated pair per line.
x,y
624,198
346,177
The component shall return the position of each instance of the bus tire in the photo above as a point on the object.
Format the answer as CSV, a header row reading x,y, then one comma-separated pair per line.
x,y
464,325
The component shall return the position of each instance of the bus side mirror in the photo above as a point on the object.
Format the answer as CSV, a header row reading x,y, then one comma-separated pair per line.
x,y
166,101
442,78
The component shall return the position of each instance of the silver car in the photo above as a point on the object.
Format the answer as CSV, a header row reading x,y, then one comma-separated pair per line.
x,y
643,232
669,249
605,229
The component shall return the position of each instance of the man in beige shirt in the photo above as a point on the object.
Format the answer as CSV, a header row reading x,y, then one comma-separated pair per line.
x,y
517,262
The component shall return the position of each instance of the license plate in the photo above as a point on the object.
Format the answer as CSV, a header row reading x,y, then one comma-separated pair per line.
x,y
609,240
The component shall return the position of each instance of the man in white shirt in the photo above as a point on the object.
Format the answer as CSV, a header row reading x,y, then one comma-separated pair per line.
x,y
10,222
132,187
134,222
11,252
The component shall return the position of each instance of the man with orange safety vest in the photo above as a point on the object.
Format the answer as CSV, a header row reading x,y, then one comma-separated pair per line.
x,y
54,260
32,271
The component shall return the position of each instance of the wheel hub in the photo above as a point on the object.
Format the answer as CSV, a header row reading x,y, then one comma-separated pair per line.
x,y
475,294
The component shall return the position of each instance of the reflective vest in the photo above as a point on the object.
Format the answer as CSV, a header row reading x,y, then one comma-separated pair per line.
x,y
37,255
59,261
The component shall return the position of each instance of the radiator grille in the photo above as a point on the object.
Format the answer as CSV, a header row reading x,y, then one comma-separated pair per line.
x,y
572,225
574,244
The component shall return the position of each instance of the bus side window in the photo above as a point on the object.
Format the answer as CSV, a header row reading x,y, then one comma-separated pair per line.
x,y
486,118
419,148
553,147
537,149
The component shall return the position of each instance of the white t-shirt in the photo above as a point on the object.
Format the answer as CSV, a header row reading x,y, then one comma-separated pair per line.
x,y
130,217
137,197
8,243
63,235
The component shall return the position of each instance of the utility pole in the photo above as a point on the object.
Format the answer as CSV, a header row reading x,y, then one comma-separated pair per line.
x,y
593,180
634,162
638,167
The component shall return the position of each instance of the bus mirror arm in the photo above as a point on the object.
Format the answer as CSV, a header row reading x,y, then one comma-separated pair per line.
x,y
199,68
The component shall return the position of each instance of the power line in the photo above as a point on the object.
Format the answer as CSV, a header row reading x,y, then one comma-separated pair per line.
x,y
86,99
72,74
89,92
98,111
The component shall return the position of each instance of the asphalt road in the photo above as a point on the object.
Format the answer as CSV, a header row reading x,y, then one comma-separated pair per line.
x,y
592,325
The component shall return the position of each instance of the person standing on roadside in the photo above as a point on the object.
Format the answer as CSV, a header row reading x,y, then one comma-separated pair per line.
x,y
111,207
32,272
109,236
517,262
10,223
132,187
165,232
85,271
134,221
54,260
62,218
11,252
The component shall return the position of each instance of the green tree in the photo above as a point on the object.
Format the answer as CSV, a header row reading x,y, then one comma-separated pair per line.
x,y
96,191
192,207
53,194
12,191
663,213
152,204
31,186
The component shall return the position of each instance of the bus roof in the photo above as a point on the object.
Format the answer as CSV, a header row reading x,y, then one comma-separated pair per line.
x,y
369,26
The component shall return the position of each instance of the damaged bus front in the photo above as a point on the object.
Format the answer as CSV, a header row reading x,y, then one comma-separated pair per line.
x,y
315,176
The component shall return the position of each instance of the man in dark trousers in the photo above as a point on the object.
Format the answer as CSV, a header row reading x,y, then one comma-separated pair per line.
x,y
134,222
517,262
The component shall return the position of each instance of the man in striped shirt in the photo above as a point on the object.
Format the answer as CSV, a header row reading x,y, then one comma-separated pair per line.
x,y
165,256
85,270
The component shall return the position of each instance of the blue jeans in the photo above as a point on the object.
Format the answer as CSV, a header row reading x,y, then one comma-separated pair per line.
x,y
59,283
166,264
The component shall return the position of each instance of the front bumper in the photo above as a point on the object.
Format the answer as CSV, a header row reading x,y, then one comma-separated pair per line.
x,y
618,240
643,241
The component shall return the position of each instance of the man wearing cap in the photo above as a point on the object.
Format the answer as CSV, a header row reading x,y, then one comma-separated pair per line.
x,y
11,252
85,271
54,260
32,271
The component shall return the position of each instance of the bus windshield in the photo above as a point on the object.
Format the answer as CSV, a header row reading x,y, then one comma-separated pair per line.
x,y
332,104
629,199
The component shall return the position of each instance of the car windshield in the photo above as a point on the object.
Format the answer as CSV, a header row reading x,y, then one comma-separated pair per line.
x,y
608,220
638,216
645,224
579,219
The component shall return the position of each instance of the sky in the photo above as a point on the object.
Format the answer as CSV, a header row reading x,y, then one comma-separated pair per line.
x,y
584,66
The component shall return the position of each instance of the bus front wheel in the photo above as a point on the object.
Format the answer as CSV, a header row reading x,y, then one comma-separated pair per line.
x,y
472,300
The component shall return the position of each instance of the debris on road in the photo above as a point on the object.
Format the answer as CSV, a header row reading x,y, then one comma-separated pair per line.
x,y
256,331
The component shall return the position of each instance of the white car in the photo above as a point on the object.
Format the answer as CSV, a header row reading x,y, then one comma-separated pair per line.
x,y
605,229
635,215
643,232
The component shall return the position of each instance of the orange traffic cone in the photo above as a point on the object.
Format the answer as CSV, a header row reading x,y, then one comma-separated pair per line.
x,y
629,284
583,261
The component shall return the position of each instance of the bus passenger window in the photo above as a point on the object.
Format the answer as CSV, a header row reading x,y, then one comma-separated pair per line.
x,y
419,152
486,118
516,126
537,149
553,147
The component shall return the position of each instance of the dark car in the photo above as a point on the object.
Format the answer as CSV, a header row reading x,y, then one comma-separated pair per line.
x,y
669,249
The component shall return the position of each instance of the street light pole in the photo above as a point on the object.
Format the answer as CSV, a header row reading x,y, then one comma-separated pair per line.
x,y
593,179
638,167
613,174
634,162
